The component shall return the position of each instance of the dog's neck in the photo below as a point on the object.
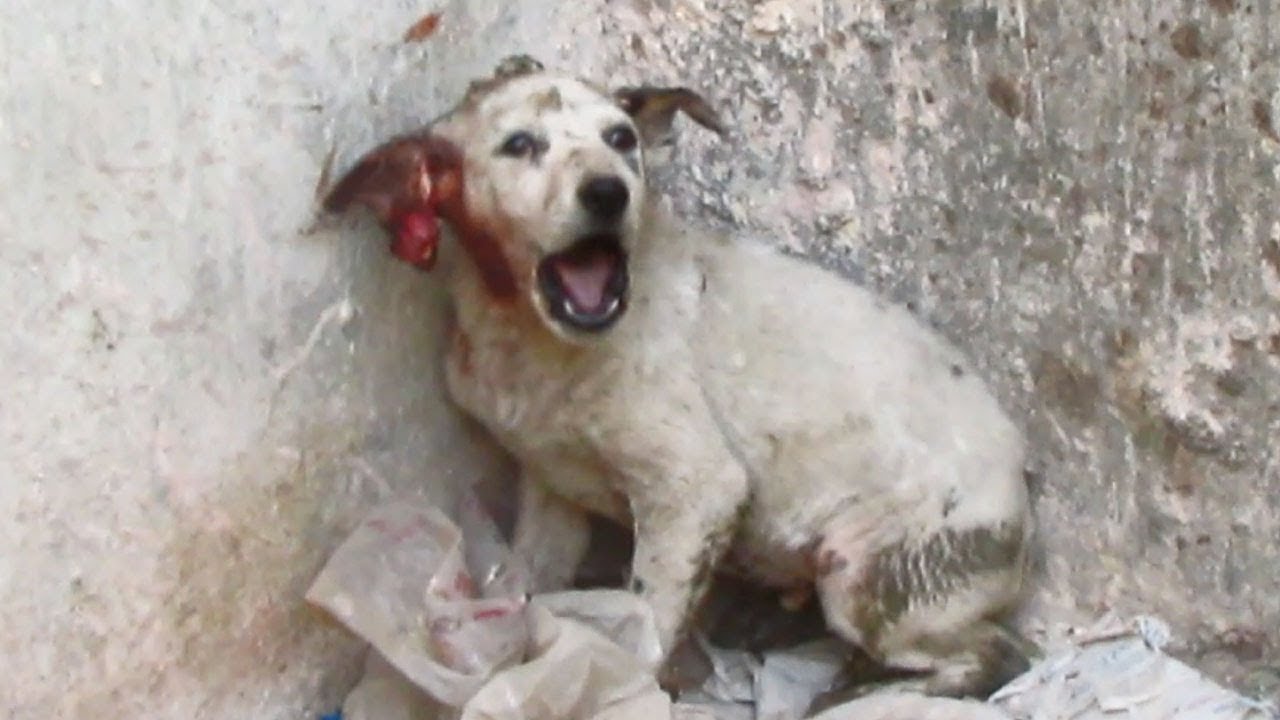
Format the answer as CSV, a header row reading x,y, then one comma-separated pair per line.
x,y
484,256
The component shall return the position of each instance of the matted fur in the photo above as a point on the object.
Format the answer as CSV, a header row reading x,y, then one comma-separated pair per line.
x,y
748,410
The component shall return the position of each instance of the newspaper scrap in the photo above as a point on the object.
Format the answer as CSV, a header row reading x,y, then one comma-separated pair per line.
x,y
790,680
733,674
1121,672
911,706
441,600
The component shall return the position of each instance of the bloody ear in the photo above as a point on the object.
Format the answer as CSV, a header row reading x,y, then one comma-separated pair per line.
x,y
654,110
408,183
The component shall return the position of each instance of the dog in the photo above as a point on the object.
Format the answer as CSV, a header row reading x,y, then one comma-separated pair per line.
x,y
738,408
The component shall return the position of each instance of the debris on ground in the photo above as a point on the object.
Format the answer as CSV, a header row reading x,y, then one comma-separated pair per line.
x,y
442,602
1119,670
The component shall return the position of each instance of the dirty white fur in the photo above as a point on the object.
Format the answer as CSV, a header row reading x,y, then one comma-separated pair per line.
x,y
746,401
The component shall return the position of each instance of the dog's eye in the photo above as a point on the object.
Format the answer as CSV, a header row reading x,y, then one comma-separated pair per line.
x,y
621,138
519,144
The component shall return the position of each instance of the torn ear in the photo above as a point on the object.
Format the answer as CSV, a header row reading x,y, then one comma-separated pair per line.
x,y
409,183
654,110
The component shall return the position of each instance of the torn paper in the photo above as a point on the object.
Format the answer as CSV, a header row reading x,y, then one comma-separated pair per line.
x,y
1121,672
909,706
789,680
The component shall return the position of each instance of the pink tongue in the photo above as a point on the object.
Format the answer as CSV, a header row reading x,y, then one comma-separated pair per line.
x,y
585,280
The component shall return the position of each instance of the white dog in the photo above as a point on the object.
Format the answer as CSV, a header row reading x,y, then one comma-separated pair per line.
x,y
739,409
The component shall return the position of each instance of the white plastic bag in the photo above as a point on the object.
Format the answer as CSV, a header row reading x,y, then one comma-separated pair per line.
x,y
573,673
400,581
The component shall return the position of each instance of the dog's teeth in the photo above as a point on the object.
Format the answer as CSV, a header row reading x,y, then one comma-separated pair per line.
x,y
568,309
613,305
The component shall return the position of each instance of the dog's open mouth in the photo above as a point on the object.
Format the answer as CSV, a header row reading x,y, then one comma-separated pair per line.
x,y
585,287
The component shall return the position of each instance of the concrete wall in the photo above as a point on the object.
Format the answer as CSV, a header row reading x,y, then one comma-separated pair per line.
x,y
204,389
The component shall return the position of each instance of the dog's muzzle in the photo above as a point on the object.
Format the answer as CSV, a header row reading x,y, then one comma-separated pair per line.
x,y
585,286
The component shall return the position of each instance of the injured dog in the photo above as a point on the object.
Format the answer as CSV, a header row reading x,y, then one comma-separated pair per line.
x,y
739,409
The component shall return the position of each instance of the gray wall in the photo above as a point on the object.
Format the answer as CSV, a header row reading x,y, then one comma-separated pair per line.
x,y
204,389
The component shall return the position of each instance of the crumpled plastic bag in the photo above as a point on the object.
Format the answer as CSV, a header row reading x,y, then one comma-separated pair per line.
x,y
574,673
444,603
386,694
401,582
621,616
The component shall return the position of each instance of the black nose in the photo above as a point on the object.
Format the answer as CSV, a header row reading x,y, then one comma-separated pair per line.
x,y
604,197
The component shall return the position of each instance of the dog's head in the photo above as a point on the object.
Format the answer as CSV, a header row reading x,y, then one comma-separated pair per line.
x,y
542,178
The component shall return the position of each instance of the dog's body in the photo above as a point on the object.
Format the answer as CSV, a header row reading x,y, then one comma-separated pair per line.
x,y
726,401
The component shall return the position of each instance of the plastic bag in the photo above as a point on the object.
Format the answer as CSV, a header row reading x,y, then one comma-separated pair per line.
x,y
385,694
445,605
574,673
401,582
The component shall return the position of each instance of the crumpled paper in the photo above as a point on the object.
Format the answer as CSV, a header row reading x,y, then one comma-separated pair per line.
x,y
790,680
910,706
442,602
1117,669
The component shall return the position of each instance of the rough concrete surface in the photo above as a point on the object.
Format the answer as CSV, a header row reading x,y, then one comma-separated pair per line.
x,y
204,389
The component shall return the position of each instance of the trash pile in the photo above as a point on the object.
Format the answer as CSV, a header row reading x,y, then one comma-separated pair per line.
x,y
442,603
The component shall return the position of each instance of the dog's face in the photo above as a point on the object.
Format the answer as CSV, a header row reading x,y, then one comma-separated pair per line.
x,y
555,166
541,177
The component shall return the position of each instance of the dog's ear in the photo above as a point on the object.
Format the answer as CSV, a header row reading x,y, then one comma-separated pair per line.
x,y
654,110
407,170
408,183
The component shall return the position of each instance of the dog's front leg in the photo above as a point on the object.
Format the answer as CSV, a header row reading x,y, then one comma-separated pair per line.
x,y
551,535
686,496
678,545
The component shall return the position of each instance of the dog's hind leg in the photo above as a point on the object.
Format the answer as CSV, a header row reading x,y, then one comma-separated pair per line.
x,y
928,605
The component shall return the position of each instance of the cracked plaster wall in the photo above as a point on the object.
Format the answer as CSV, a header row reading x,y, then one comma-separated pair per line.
x,y
204,389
